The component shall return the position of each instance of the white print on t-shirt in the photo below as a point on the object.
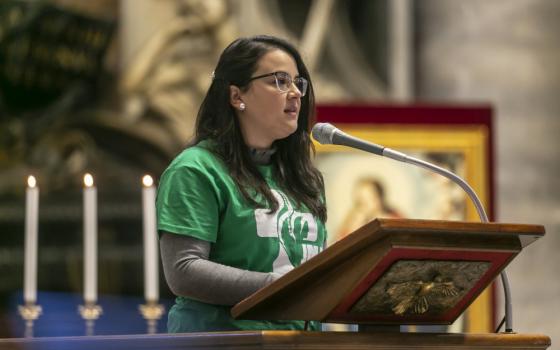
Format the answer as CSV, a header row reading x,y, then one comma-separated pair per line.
x,y
270,225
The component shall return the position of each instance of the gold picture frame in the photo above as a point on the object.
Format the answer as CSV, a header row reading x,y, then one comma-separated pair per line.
x,y
405,190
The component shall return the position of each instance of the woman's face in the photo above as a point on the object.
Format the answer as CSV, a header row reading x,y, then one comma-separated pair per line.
x,y
269,114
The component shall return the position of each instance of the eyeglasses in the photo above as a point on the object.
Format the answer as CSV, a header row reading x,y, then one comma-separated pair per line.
x,y
284,81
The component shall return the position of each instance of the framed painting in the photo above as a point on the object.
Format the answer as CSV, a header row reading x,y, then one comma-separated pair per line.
x,y
360,186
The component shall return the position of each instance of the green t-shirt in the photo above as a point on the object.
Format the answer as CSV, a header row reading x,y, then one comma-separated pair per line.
x,y
197,197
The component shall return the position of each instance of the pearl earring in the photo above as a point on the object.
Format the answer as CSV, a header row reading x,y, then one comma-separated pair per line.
x,y
242,106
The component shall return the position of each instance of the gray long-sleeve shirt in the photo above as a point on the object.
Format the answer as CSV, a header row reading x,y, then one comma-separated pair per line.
x,y
189,273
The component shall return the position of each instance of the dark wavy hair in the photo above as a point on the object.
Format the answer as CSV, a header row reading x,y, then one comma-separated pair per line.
x,y
217,121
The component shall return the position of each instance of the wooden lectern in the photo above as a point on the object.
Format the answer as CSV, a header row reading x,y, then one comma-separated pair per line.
x,y
396,272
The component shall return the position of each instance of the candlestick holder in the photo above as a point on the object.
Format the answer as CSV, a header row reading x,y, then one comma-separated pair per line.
x,y
90,312
29,312
152,312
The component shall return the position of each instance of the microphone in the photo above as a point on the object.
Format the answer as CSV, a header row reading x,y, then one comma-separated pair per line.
x,y
327,134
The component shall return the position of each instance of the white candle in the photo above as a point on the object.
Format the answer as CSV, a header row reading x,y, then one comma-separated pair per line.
x,y
31,226
151,271
90,240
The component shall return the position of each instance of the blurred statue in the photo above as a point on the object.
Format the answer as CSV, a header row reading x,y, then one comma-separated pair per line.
x,y
170,75
63,113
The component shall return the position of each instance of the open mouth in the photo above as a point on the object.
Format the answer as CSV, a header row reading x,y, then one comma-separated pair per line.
x,y
290,110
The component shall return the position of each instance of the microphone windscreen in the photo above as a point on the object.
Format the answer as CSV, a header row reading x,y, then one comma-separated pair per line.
x,y
323,133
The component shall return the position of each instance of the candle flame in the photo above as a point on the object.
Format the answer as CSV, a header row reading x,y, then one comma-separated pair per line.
x,y
31,182
147,180
88,180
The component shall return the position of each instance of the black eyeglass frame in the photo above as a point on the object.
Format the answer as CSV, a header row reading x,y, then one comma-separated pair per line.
x,y
304,81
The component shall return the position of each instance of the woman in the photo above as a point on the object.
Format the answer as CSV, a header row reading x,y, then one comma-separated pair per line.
x,y
243,204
